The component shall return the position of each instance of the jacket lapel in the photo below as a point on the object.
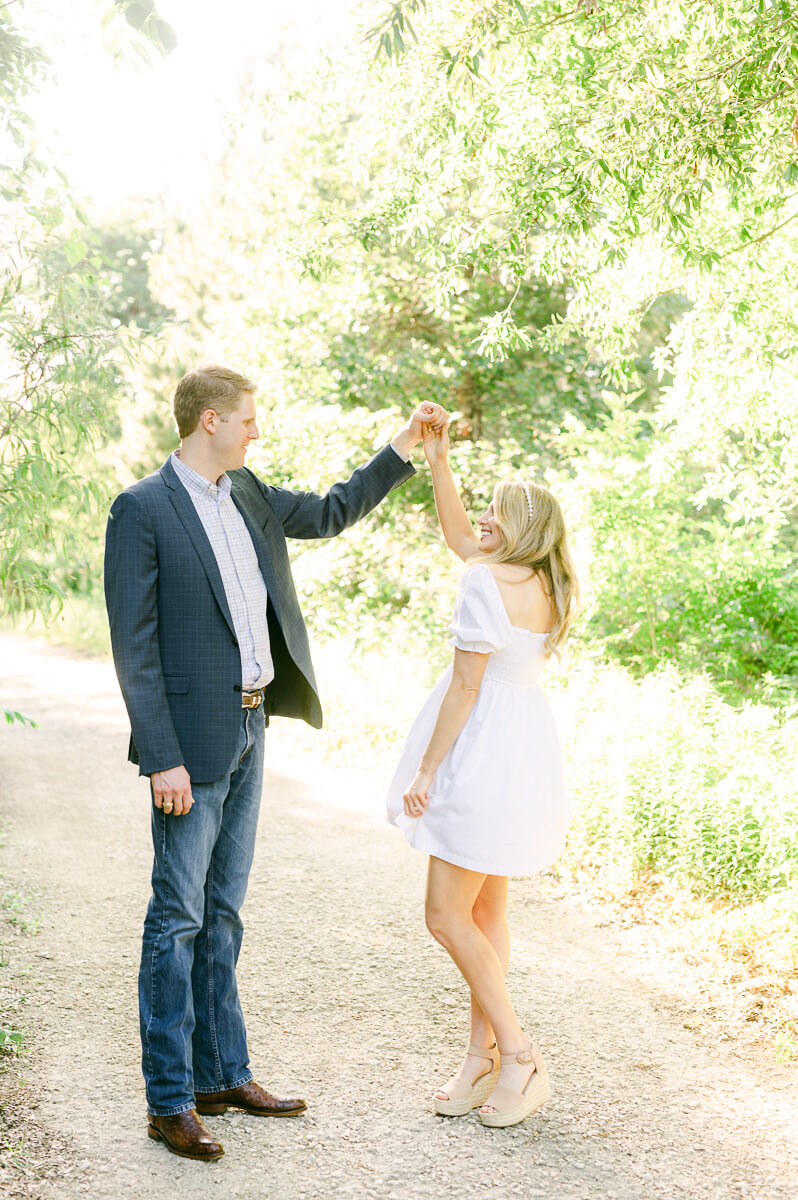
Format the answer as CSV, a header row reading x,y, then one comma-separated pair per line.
x,y
239,495
187,513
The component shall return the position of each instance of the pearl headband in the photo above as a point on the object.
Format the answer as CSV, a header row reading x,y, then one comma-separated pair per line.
x,y
528,495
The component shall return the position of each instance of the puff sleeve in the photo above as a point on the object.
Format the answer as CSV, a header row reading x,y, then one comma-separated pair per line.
x,y
480,622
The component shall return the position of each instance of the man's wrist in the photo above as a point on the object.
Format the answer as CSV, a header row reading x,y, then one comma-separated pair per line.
x,y
163,770
403,443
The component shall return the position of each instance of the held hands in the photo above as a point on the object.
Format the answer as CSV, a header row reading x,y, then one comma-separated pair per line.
x,y
171,790
416,797
427,416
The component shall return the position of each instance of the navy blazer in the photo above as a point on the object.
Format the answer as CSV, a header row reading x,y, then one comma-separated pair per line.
x,y
173,641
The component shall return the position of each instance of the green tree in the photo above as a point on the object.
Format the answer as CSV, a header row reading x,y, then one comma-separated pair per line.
x,y
646,155
440,225
67,335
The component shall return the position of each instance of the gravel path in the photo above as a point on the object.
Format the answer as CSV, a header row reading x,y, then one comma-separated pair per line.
x,y
348,1001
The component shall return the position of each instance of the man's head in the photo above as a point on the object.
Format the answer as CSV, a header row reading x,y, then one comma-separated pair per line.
x,y
216,406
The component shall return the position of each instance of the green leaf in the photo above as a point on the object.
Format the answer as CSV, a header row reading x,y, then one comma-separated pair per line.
x,y
75,249
138,12
165,34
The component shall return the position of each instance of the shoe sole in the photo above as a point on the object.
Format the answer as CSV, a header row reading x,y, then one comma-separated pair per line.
x,y
157,1136
217,1110
477,1096
536,1095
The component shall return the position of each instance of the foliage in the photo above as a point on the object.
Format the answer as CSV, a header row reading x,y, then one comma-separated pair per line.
x,y
62,349
344,350
144,18
11,1041
442,227
12,717
583,118
15,913
458,239
642,160
671,579
682,784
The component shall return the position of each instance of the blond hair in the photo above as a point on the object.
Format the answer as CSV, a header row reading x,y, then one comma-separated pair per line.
x,y
207,387
533,532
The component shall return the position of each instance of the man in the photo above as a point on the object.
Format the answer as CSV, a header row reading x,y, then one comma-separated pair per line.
x,y
208,640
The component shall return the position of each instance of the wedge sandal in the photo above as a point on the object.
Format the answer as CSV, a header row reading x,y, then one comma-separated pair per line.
x,y
511,1106
467,1096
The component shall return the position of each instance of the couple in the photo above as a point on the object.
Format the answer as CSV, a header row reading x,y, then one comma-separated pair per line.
x,y
208,640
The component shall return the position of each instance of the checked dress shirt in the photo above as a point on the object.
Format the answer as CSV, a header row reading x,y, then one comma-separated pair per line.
x,y
238,567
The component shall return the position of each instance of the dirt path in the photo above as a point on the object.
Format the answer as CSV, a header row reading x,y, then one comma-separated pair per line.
x,y
347,1000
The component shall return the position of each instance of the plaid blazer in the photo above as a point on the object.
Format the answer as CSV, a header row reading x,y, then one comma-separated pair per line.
x,y
173,641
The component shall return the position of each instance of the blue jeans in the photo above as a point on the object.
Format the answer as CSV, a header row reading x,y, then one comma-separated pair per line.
x,y
192,1028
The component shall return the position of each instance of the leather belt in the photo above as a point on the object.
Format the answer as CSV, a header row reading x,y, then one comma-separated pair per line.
x,y
252,698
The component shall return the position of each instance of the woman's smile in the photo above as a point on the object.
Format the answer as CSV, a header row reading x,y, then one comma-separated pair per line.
x,y
489,534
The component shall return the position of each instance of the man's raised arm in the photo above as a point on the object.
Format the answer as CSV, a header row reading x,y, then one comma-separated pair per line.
x,y
308,515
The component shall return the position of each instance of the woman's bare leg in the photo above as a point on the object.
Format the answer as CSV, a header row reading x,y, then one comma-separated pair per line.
x,y
452,894
490,915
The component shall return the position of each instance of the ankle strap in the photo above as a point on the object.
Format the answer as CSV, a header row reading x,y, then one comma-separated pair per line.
x,y
527,1055
481,1051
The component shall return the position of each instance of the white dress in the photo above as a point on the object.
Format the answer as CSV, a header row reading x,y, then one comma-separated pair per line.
x,y
498,802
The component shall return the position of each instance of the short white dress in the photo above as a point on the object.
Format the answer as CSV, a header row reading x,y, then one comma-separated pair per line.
x,y
498,802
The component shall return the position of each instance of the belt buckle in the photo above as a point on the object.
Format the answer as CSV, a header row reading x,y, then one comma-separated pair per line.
x,y
252,699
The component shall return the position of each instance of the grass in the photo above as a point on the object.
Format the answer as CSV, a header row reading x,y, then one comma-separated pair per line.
x,y
15,907
16,922
11,1040
669,778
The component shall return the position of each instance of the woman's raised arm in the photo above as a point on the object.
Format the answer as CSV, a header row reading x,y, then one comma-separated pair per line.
x,y
457,529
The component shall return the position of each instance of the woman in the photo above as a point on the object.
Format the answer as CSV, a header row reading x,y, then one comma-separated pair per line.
x,y
479,784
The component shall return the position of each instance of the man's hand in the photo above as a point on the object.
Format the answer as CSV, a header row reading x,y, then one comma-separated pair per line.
x,y
426,415
171,790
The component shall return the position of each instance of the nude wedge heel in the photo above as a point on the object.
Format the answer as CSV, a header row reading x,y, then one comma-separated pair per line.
x,y
511,1106
460,1104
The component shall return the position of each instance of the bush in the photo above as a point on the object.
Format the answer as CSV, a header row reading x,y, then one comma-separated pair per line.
x,y
668,778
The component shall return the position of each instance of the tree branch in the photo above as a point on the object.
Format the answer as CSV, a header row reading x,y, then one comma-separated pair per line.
x,y
755,241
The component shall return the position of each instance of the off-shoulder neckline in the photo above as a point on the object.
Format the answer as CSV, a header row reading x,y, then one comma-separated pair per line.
x,y
519,628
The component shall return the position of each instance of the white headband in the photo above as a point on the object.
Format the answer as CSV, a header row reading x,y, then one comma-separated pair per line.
x,y
528,495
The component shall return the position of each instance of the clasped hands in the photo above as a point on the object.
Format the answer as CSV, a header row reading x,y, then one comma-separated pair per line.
x,y
427,424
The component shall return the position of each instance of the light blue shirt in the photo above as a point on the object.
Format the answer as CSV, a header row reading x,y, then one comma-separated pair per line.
x,y
238,566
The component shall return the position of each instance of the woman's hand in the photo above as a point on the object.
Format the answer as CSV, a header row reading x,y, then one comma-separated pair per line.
x,y
436,443
416,797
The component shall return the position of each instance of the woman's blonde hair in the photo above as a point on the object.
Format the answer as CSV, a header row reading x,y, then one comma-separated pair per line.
x,y
533,533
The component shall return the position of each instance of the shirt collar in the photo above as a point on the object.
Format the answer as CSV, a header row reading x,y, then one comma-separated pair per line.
x,y
195,482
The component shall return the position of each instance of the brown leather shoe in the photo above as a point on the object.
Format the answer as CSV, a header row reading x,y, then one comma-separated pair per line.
x,y
251,1098
185,1134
